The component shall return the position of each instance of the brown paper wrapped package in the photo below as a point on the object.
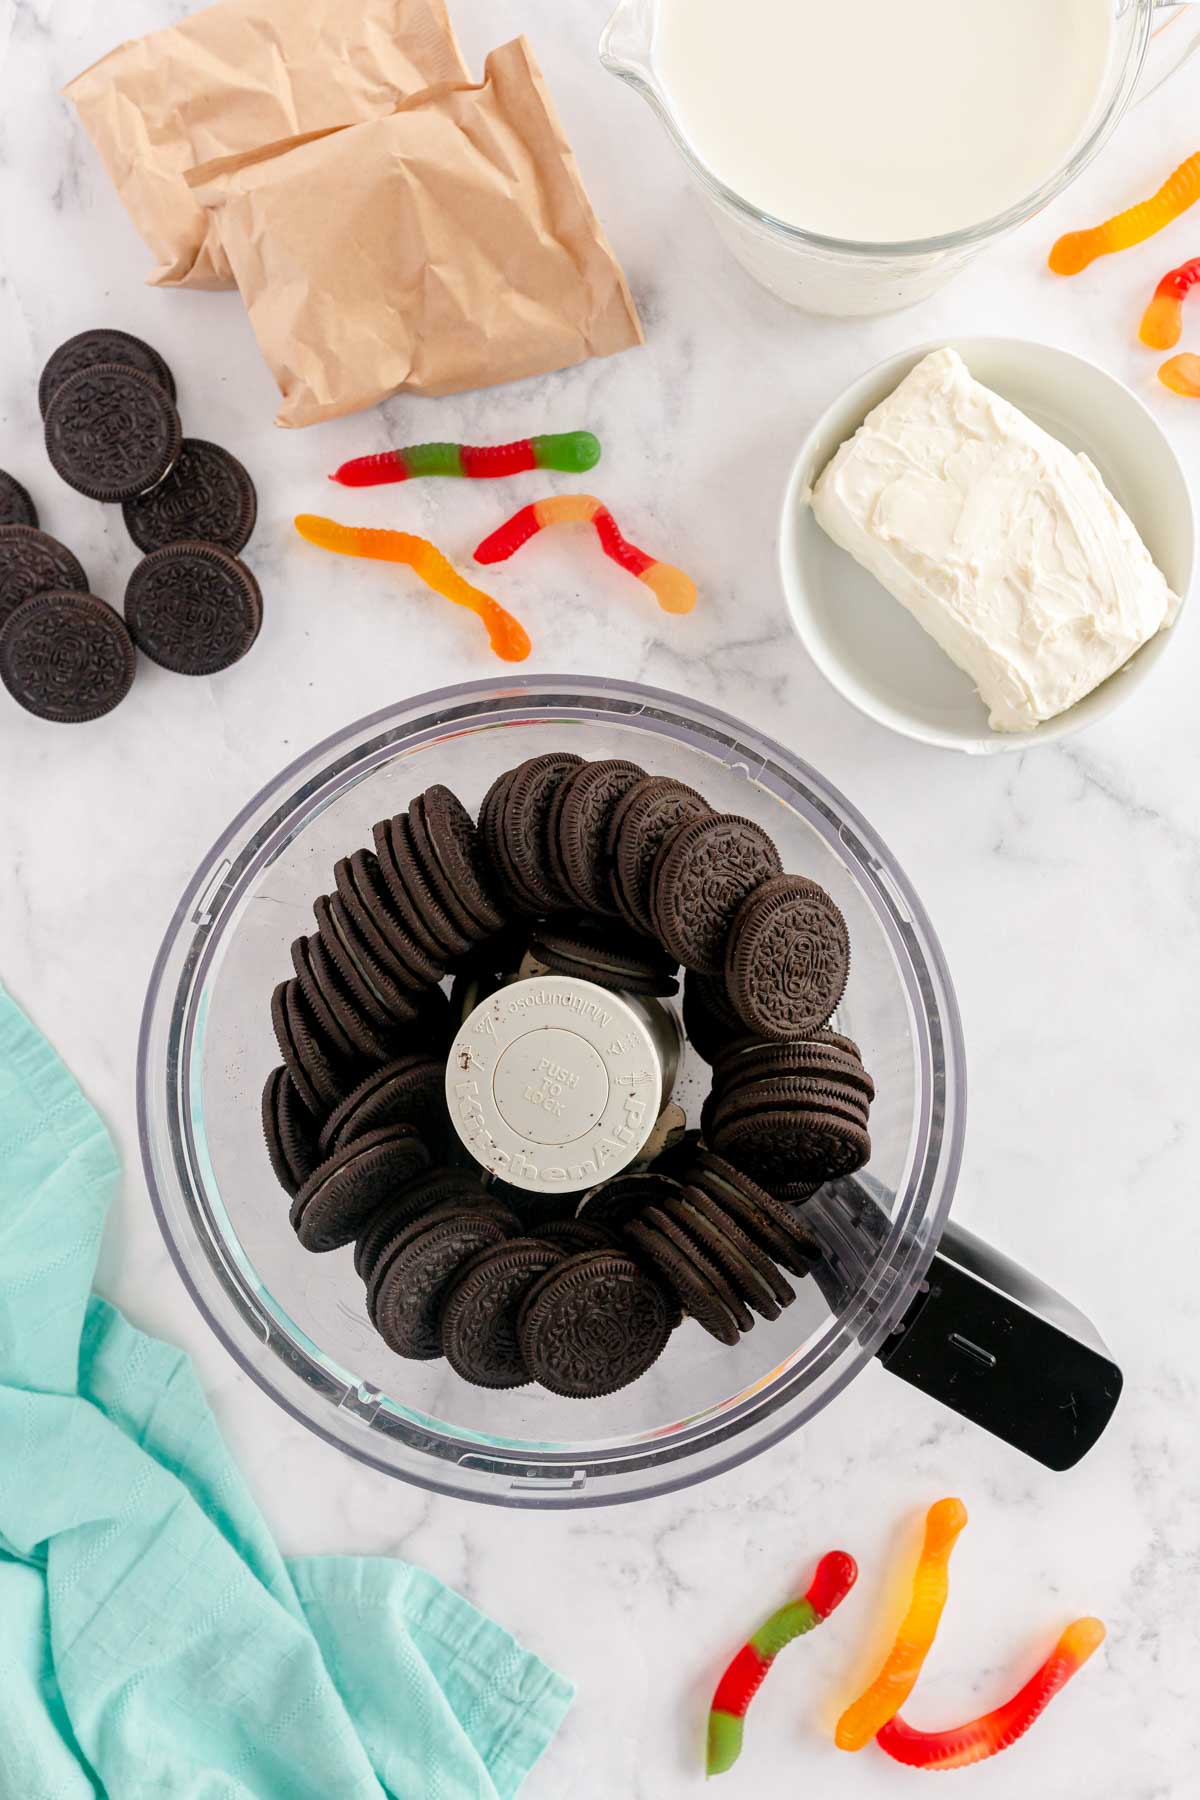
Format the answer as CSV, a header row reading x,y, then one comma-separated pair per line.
x,y
450,246
241,74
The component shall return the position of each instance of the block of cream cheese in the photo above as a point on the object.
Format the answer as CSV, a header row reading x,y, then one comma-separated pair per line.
x,y
1005,546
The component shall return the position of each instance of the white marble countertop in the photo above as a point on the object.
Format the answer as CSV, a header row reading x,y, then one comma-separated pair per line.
x,y
1065,885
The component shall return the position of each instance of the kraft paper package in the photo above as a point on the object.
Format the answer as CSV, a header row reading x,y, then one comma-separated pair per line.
x,y
448,246
238,75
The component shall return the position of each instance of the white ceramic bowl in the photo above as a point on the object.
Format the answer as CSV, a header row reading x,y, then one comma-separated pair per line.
x,y
865,643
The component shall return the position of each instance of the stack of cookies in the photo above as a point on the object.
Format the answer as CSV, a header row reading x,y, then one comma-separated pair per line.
x,y
600,871
113,434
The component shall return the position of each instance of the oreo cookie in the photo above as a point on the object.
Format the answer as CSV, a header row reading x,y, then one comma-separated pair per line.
x,y
426,921
409,1091
514,822
363,893
287,1129
478,1324
764,1218
112,433
646,817
382,998
408,1302
208,498
421,1199
695,1294
16,503
304,1054
594,1325
452,837
605,954
702,874
746,1265
66,657
344,1191
788,958
436,880
367,1004
581,815
790,1149
102,345
193,609
32,562
623,1197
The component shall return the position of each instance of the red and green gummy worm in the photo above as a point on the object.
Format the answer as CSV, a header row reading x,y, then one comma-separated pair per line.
x,y
570,452
836,1574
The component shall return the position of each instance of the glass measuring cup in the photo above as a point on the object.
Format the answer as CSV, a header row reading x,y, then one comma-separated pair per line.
x,y
846,278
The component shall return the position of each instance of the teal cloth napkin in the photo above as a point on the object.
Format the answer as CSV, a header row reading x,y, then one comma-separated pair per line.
x,y
152,1639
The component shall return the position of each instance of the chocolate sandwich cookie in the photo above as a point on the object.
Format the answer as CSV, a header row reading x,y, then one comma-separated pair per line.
x,y
572,1236
408,1303
32,562
790,1093
370,1038
517,824
16,503
102,345
66,657
389,1003
759,1278
436,878
423,1198
334,1019
702,874
645,818
112,433
606,954
457,851
594,1325
305,1055
342,1193
692,1290
787,1150
193,608
759,1213
367,1004
409,1091
817,1058
287,1128
788,958
664,1225
478,1324
364,894
581,821
428,924
614,1202
710,1024
208,498
422,1220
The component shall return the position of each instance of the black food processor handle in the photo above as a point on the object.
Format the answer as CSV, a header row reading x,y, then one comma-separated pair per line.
x,y
982,1335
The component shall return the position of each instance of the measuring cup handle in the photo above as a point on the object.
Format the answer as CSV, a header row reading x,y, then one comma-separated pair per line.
x,y
1174,38
999,1346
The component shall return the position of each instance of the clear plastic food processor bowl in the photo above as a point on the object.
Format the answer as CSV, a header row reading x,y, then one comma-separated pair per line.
x,y
296,1322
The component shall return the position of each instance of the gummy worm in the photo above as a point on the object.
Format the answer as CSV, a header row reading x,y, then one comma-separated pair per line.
x,y
1162,322
1079,248
507,636
835,1576
674,591
995,1731
895,1680
571,452
1182,375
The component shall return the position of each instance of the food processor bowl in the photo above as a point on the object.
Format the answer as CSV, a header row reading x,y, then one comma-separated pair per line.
x,y
296,1322
846,278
